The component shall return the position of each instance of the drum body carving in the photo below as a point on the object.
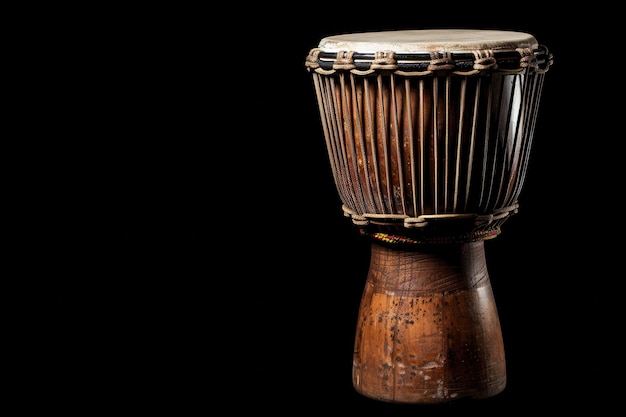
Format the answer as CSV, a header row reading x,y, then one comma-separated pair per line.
x,y
428,134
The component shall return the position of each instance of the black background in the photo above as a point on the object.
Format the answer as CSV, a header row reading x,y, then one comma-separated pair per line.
x,y
235,280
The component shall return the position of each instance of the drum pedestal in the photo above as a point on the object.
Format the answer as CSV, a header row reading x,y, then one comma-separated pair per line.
x,y
428,328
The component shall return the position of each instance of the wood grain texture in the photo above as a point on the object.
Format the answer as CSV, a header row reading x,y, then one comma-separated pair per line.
x,y
428,328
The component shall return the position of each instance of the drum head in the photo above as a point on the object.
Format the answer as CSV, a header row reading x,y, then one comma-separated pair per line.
x,y
428,40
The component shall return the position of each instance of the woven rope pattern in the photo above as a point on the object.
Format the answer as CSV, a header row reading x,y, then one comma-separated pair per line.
x,y
484,61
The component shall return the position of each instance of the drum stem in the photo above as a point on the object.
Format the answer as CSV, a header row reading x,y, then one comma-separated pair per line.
x,y
428,328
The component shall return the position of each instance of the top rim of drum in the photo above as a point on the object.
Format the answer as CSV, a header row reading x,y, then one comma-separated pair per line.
x,y
428,41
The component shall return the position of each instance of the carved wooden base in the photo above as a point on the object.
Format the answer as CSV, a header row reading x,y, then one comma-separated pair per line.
x,y
428,328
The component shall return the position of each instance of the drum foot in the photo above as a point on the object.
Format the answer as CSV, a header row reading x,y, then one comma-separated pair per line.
x,y
428,329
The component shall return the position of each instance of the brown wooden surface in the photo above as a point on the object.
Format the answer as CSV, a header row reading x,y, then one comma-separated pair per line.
x,y
428,328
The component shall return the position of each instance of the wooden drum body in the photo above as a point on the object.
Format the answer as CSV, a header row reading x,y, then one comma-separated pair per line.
x,y
428,135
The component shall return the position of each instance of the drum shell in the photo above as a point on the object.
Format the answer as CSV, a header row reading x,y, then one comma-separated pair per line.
x,y
411,150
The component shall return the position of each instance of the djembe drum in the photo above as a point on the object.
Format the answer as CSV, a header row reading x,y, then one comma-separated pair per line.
x,y
428,134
